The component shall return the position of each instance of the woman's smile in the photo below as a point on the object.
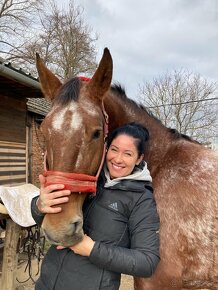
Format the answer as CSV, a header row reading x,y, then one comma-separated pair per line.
x,y
117,167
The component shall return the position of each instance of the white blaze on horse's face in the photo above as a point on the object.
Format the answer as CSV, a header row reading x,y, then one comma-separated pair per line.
x,y
75,123
69,130
92,113
58,121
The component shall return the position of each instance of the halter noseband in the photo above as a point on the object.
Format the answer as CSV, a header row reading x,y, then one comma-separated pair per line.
x,y
78,182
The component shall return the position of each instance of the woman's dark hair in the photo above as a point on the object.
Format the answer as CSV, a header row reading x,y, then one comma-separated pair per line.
x,y
135,130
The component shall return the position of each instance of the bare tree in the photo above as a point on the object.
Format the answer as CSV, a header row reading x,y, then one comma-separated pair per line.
x,y
63,39
16,17
70,47
184,101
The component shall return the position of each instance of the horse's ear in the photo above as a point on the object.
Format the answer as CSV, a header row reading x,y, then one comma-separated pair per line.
x,y
101,81
50,84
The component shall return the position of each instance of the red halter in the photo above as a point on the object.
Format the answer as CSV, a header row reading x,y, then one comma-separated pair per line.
x,y
77,182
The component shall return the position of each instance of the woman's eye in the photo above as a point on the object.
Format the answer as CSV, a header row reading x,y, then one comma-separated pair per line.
x,y
113,149
96,134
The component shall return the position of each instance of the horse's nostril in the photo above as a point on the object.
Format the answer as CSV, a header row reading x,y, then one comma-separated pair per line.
x,y
76,226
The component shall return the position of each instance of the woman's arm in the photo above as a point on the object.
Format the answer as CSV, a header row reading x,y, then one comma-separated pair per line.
x,y
37,215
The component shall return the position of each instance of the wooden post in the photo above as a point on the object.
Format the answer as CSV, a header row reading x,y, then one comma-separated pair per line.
x,y
10,256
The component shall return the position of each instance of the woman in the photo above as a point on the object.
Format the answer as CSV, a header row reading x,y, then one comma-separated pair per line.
x,y
121,223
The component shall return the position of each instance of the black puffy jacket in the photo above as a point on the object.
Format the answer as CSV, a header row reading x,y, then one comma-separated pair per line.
x,y
123,221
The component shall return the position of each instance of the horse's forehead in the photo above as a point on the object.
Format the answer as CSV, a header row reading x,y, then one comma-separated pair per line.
x,y
73,114
89,107
59,118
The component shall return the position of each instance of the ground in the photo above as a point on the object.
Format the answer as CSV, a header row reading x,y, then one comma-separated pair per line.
x,y
126,284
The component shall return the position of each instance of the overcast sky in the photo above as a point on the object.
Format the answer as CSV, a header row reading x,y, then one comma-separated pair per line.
x,y
147,38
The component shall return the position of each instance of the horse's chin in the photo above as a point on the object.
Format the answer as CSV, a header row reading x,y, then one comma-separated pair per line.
x,y
66,241
69,242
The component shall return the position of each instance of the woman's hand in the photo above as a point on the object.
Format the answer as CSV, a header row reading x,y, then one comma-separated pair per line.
x,y
83,248
51,196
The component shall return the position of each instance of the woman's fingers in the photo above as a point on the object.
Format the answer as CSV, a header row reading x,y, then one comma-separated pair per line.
x,y
52,209
51,196
57,201
54,198
42,180
60,247
51,206
53,187
57,194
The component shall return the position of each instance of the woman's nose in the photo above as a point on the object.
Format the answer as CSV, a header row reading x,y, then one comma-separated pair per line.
x,y
118,158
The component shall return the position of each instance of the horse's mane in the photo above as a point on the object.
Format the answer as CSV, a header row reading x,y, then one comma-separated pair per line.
x,y
68,92
120,93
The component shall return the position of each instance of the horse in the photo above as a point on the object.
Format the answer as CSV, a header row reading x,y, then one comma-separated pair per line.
x,y
184,174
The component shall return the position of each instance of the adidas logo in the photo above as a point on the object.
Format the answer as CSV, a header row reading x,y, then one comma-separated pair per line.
x,y
114,206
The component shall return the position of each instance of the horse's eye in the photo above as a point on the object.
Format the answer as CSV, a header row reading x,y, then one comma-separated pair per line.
x,y
96,134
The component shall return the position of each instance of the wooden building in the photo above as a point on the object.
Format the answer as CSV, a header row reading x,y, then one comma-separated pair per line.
x,y
15,88
16,149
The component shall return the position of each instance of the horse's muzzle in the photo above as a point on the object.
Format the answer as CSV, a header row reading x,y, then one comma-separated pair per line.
x,y
68,235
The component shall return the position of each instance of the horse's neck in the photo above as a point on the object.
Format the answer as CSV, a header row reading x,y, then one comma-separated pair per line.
x,y
123,110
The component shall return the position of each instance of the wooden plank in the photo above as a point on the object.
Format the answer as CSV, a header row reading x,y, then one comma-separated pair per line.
x,y
13,177
10,256
6,163
12,144
14,169
11,157
14,150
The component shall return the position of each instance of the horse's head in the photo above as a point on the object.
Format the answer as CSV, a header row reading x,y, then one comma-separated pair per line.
x,y
74,137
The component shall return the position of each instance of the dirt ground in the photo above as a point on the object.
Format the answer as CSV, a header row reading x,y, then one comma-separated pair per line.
x,y
126,284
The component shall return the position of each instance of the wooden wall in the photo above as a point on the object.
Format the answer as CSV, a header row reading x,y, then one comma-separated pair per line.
x,y
13,155
12,119
12,163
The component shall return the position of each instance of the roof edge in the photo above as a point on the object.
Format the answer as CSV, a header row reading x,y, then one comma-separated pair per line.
x,y
14,75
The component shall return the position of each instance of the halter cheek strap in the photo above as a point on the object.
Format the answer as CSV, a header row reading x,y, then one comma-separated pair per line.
x,y
77,182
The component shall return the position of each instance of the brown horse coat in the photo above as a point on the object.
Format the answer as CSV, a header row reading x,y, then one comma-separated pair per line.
x,y
185,177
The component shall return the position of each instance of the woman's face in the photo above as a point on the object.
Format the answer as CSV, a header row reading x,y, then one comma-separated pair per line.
x,y
122,156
